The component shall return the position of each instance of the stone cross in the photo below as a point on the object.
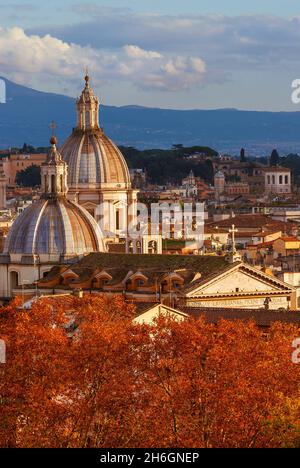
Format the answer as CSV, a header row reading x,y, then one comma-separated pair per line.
x,y
53,126
233,231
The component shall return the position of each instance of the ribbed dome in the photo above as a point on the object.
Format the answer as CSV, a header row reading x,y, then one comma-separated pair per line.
x,y
54,227
93,159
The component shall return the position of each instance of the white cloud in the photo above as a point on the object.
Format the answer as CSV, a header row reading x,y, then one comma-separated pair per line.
x,y
137,52
24,56
224,42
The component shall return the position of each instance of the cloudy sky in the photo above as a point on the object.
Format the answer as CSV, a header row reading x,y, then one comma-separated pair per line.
x,y
162,53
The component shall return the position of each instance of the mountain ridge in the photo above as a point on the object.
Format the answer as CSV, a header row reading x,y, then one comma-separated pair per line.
x,y
27,114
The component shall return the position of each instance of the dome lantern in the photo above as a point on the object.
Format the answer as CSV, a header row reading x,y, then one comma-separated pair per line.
x,y
87,108
54,173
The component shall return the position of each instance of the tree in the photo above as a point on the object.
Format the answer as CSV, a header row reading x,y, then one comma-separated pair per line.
x,y
275,158
29,177
80,373
242,155
27,148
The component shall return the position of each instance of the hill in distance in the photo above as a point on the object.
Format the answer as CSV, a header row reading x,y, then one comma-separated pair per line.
x,y
27,114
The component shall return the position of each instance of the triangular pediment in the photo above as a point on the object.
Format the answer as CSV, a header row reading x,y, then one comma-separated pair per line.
x,y
240,279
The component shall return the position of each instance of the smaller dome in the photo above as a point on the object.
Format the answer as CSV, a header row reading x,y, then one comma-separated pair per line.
x,y
55,228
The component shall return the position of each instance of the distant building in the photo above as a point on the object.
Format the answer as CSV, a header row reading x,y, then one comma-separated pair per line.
x,y
138,178
195,187
253,224
278,181
15,163
285,246
222,187
251,173
237,188
189,185
219,183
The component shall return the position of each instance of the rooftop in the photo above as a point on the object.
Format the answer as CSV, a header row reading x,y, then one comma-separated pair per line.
x,y
255,221
203,264
262,318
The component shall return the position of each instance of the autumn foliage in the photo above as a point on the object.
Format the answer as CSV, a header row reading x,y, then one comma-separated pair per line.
x,y
80,373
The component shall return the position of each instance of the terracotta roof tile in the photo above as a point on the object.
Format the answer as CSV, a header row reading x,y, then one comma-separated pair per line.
x,y
263,318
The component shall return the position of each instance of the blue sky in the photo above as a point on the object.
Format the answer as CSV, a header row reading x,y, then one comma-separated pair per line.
x,y
166,53
282,8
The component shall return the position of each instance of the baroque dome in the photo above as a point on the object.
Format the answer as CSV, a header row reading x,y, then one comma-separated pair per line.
x,y
54,226
94,161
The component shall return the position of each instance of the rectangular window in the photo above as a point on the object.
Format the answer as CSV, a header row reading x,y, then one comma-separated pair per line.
x,y
117,220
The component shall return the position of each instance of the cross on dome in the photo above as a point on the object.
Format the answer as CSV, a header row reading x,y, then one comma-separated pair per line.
x,y
53,126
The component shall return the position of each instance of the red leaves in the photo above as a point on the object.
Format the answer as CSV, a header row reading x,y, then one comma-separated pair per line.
x,y
80,374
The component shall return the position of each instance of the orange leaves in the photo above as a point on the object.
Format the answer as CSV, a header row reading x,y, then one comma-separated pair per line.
x,y
80,374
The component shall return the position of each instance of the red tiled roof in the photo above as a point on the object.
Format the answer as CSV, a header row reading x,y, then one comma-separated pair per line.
x,y
276,169
289,239
262,317
255,221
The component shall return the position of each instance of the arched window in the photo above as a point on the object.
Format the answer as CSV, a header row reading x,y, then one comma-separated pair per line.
x,y
117,219
280,179
130,247
152,247
138,247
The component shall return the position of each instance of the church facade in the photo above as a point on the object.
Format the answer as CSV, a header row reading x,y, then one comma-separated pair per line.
x,y
242,287
186,281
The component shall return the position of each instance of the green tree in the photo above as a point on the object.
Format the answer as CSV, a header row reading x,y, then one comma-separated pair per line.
x,y
29,177
243,156
275,158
